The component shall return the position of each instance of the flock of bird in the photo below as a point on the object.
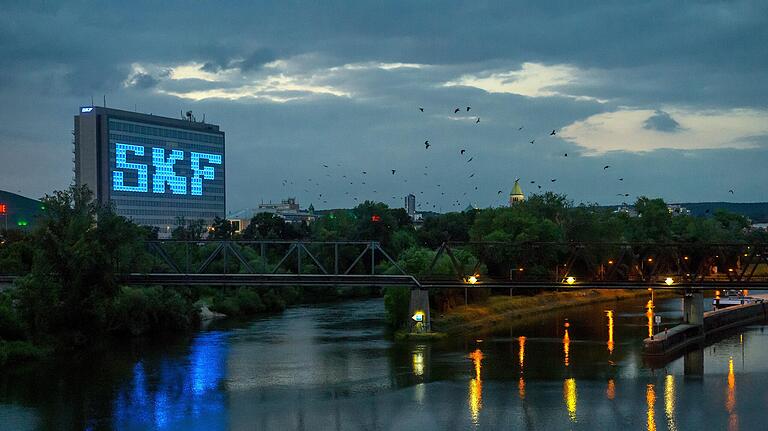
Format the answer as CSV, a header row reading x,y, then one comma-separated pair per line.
x,y
340,173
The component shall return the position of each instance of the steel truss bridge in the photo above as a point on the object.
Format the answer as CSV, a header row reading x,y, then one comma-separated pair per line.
x,y
498,265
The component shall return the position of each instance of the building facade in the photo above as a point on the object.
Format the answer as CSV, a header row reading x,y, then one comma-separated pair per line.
x,y
153,170
410,204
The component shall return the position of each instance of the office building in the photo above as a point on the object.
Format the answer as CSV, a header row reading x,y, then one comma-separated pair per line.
x,y
410,205
153,169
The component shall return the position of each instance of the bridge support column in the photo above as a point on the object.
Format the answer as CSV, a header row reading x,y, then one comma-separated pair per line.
x,y
693,308
693,363
419,306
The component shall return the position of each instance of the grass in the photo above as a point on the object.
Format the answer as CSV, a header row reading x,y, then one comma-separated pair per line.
x,y
500,309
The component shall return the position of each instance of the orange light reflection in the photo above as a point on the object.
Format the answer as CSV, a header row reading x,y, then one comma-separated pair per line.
x,y
570,397
476,387
609,313
730,400
649,315
650,399
566,348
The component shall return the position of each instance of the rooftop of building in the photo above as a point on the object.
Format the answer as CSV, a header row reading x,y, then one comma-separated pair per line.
x,y
185,122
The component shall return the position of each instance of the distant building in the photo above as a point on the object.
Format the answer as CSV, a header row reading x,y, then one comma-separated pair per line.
x,y
626,209
18,212
410,205
153,170
284,206
516,195
287,209
678,210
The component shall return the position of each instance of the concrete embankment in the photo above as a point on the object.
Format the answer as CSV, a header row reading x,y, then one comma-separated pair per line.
x,y
682,336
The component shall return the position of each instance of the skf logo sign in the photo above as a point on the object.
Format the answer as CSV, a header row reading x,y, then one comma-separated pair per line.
x,y
86,109
375,218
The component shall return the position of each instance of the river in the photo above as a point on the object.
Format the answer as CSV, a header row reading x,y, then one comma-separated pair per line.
x,y
331,367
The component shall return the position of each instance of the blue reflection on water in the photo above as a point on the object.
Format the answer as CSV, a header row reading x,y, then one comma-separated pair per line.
x,y
177,393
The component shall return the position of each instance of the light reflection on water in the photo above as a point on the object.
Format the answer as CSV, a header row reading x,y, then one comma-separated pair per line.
x,y
331,367
175,391
476,387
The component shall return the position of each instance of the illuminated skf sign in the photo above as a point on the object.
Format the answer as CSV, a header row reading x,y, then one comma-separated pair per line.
x,y
163,175
3,209
86,109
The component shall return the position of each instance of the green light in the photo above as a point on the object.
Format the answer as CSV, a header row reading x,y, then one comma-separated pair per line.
x,y
21,223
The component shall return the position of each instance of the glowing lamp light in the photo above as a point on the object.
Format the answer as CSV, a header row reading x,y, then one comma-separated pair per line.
x,y
669,281
610,262
685,257
650,259
570,280
730,269
472,279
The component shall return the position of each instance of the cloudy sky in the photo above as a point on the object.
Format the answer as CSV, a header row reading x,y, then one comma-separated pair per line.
x,y
672,95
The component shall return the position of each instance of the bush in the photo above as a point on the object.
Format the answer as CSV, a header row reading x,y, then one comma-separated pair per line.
x,y
20,351
143,310
11,326
396,303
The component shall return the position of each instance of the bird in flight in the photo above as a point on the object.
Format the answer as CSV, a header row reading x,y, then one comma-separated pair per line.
x,y
520,128
456,110
553,133
393,171
730,191
472,175
364,173
533,182
463,151
468,108
538,186
478,120
470,159
325,166
532,141
606,167
621,179
553,180
565,155
421,109
426,144
499,192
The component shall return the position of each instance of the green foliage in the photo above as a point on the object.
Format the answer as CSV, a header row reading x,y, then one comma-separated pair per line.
x,y
138,311
396,303
21,352
80,248
11,325
188,230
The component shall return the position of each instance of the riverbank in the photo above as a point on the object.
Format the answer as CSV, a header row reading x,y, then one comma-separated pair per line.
x,y
499,310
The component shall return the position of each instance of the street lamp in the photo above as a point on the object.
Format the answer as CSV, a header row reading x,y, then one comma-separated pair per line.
x,y
669,281
570,280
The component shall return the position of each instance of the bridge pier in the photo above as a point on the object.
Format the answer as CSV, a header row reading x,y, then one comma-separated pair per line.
x,y
693,308
419,305
693,363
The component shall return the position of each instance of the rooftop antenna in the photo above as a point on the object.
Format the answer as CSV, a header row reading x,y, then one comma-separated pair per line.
x,y
203,117
105,100
91,100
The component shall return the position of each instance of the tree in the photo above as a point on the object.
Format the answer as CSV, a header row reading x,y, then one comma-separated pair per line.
x,y
80,248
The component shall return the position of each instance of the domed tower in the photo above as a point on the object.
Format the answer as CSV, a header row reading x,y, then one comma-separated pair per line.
x,y
517,194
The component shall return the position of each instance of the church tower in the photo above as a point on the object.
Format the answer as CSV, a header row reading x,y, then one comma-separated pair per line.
x,y
517,194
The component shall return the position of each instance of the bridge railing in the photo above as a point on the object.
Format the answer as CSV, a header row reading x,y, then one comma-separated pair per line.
x,y
271,257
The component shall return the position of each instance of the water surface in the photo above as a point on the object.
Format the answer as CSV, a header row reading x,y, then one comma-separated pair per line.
x,y
331,367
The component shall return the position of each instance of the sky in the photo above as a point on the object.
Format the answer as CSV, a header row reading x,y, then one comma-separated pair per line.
x,y
672,96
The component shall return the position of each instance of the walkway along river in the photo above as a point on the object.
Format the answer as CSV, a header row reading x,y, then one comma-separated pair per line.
x,y
331,367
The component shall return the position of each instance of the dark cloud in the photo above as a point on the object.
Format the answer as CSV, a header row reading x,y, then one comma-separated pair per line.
x,y
699,55
662,122
143,81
